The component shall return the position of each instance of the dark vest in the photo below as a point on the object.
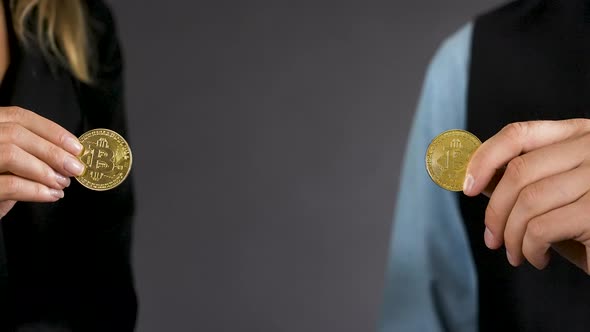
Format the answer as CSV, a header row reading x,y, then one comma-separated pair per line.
x,y
66,265
530,60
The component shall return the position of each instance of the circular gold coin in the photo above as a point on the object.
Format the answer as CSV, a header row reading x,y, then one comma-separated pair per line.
x,y
447,157
107,158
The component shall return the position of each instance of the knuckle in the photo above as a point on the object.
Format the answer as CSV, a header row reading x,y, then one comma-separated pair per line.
x,y
11,185
8,154
529,195
536,230
6,131
12,131
516,169
515,130
14,113
63,135
53,154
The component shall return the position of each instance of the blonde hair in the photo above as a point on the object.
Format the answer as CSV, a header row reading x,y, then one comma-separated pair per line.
x,y
61,31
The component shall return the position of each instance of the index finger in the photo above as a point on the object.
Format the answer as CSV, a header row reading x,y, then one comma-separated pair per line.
x,y
513,140
43,127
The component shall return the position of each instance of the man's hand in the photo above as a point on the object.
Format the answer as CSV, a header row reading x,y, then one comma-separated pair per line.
x,y
543,198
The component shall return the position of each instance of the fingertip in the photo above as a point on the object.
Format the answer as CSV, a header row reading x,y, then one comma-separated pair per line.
x,y
543,262
510,259
513,260
468,184
490,240
74,166
62,181
56,194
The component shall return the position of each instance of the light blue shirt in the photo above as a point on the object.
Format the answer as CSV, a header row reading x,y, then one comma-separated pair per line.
x,y
431,281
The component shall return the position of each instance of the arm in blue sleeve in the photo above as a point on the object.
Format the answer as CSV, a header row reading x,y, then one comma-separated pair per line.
x,y
430,280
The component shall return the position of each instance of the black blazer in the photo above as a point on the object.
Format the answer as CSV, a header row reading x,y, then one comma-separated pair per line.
x,y
67,264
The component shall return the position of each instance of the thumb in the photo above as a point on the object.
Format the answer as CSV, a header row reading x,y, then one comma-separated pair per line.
x,y
513,140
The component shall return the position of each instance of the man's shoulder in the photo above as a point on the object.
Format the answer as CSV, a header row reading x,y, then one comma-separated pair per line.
x,y
452,53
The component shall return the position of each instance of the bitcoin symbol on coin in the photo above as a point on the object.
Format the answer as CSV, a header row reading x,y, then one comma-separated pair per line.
x,y
107,158
447,157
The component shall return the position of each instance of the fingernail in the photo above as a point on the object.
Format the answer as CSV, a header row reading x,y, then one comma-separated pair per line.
x,y
488,237
62,180
468,184
74,166
56,193
73,146
509,258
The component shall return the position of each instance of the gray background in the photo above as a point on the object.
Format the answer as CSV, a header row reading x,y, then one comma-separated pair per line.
x,y
268,137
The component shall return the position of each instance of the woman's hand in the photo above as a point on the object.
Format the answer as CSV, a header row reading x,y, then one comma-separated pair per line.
x,y
543,198
37,158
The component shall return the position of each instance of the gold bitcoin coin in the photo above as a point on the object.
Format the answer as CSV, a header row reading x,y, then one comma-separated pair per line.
x,y
107,158
447,157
